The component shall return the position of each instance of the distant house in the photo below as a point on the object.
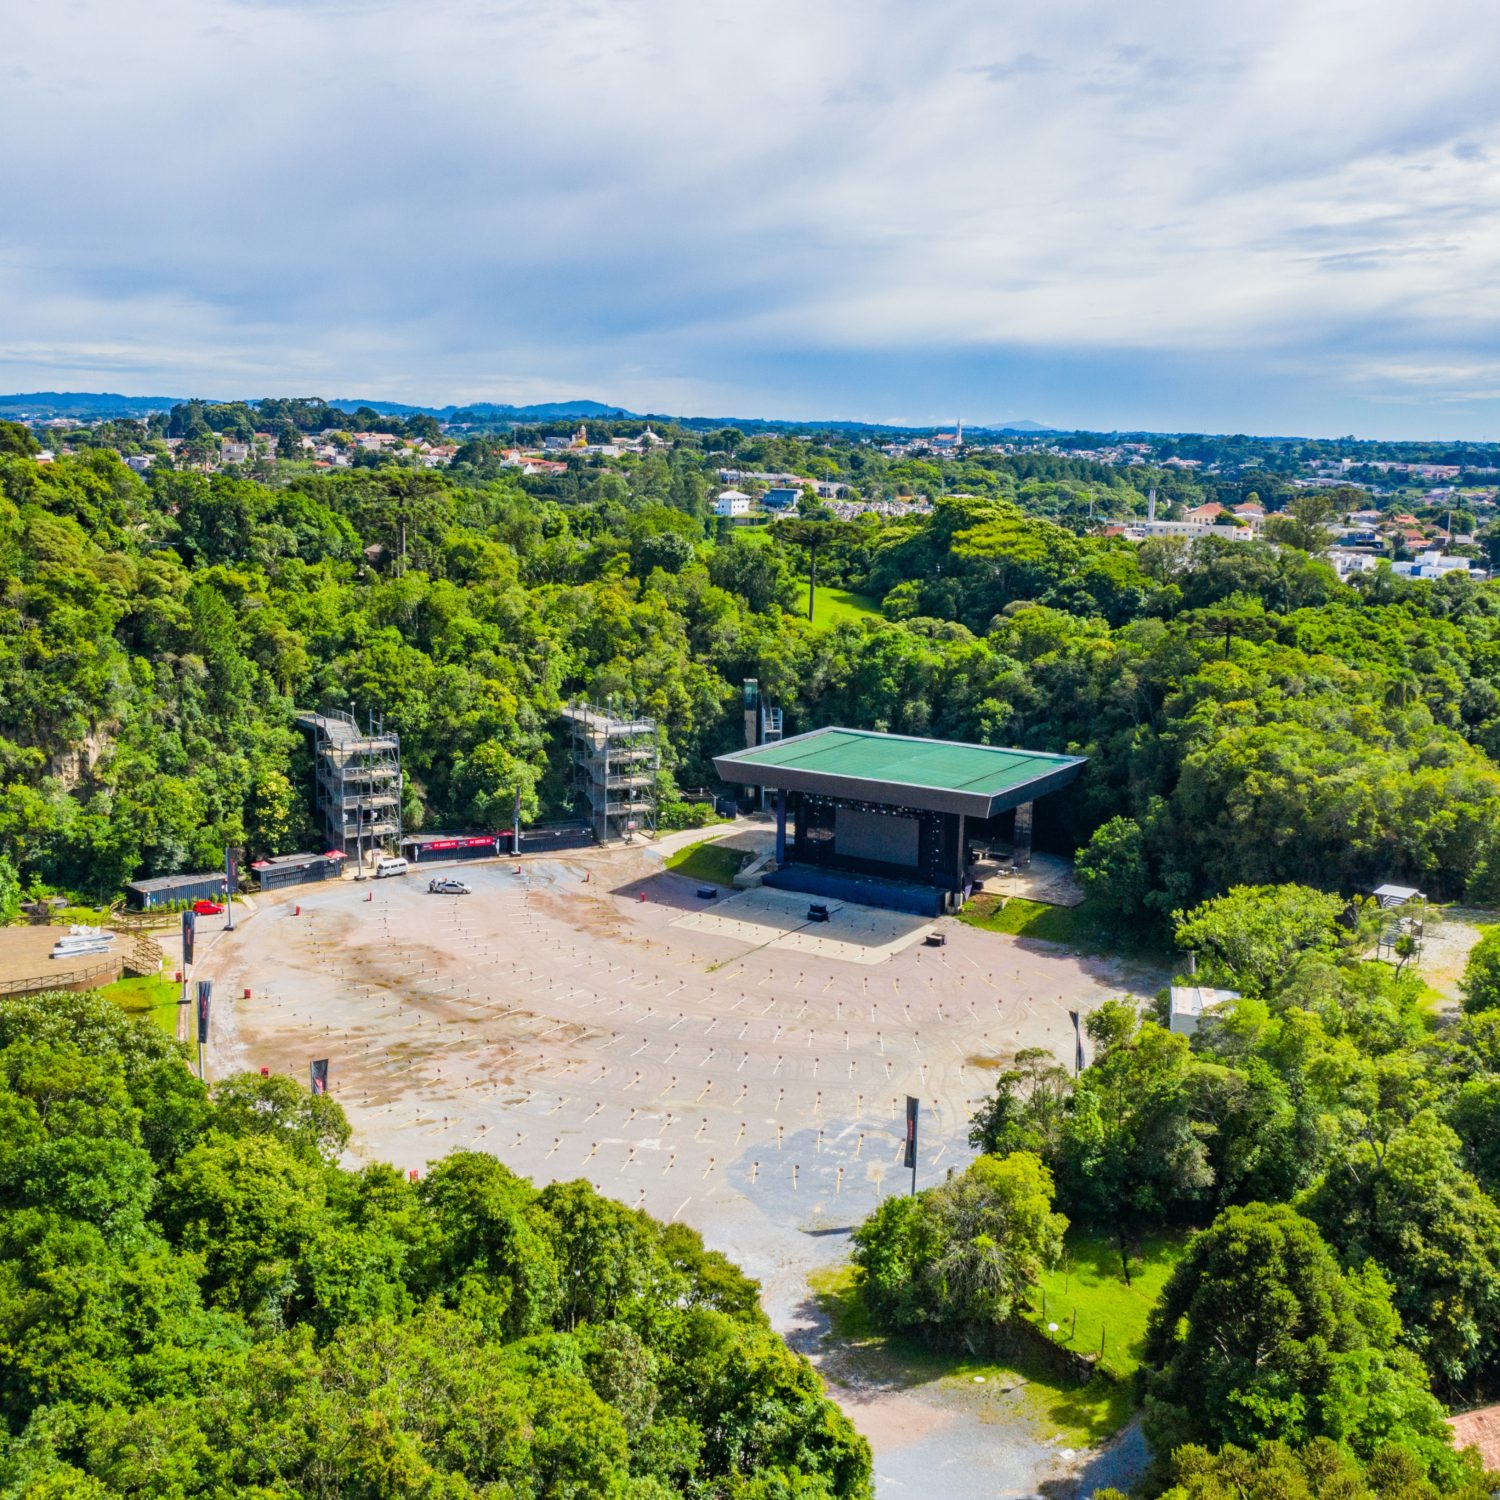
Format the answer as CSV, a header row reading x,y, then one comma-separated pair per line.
x,y
1251,513
782,497
1138,531
1210,512
732,503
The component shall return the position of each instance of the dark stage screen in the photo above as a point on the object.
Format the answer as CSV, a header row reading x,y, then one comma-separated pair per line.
x,y
884,837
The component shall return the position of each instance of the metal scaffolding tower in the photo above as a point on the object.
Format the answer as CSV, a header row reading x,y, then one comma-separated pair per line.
x,y
615,762
358,778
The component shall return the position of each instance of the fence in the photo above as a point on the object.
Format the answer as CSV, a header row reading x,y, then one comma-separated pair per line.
x,y
106,969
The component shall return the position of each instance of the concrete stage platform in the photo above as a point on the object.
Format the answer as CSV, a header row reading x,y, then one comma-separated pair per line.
x,y
767,918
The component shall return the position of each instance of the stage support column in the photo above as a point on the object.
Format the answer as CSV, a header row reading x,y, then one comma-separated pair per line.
x,y
780,827
963,852
1021,851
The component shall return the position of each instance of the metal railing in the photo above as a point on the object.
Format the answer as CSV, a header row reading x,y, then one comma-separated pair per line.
x,y
109,965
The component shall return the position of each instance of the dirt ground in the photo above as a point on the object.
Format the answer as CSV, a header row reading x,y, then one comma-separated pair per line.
x,y
1445,950
720,1062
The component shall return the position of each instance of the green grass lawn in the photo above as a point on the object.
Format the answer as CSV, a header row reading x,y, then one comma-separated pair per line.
x,y
832,606
709,862
153,998
1087,1296
1077,1416
1082,927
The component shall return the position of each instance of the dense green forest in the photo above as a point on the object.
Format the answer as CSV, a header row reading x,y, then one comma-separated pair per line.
x,y
1247,716
195,1301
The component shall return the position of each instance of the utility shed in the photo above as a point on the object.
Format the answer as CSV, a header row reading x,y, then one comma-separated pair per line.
x,y
893,808
1191,1002
162,890
297,869
1396,895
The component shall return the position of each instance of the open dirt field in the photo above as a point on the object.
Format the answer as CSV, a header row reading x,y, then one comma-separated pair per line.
x,y
724,1063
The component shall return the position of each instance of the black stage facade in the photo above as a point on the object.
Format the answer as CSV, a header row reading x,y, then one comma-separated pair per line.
x,y
893,817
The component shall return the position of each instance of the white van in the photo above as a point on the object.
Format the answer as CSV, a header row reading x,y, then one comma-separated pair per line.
x,y
387,865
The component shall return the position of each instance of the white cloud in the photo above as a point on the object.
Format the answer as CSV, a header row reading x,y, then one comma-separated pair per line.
x,y
640,200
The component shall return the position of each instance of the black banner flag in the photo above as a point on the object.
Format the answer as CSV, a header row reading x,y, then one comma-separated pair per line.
x,y
205,993
189,927
1077,1041
911,1133
319,1071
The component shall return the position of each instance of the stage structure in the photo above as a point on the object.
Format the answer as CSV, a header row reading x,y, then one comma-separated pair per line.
x,y
762,727
615,762
892,820
358,778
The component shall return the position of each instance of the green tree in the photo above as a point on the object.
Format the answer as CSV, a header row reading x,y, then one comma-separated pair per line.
x,y
1259,1336
16,440
1321,1470
964,1256
1253,936
1481,981
10,892
1407,1204
1114,867
312,1125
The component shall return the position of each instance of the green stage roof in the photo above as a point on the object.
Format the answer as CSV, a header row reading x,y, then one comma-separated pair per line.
x,y
900,770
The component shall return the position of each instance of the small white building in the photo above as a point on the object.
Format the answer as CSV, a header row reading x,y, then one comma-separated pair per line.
x,y
732,503
1433,565
1192,531
1191,1002
1347,562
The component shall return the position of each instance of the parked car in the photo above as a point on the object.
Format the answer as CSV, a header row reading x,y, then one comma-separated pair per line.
x,y
445,885
208,908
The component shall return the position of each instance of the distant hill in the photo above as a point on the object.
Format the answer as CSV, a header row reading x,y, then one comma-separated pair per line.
x,y
493,411
85,404
92,405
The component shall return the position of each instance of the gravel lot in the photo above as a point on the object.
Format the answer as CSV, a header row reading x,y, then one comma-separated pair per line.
x,y
720,1062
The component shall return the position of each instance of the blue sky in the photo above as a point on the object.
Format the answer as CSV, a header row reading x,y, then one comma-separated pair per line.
x,y
1278,217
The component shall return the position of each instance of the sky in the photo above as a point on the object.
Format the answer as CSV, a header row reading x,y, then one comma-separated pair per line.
x,y
1278,217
